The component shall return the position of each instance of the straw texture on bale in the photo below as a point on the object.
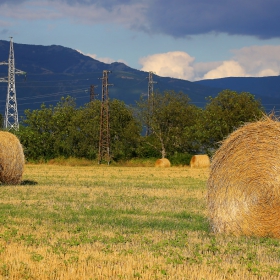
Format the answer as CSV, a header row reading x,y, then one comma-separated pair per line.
x,y
11,159
163,162
200,161
243,194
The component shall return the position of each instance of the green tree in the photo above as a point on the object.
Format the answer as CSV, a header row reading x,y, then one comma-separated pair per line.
x,y
45,131
124,130
65,130
168,116
225,113
84,133
36,133
62,125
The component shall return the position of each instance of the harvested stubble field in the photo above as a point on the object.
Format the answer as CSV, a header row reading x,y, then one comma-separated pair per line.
x,y
108,222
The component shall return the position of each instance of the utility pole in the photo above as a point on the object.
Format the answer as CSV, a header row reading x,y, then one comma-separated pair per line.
x,y
104,136
150,84
92,94
150,106
11,112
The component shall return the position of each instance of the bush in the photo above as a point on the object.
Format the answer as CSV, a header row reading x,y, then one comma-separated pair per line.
x,y
180,159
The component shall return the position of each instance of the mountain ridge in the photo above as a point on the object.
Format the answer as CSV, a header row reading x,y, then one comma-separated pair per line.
x,y
267,89
54,71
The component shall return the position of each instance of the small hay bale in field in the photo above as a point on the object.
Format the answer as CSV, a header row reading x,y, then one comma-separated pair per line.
x,y
243,194
200,161
11,159
163,162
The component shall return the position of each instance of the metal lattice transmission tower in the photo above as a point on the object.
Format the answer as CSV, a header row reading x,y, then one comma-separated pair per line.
x,y
92,94
11,112
151,83
104,136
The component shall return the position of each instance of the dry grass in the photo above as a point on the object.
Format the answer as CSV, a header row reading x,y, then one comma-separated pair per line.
x,y
104,222
71,161
11,158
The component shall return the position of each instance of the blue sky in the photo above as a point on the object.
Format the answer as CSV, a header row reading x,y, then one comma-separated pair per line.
x,y
186,39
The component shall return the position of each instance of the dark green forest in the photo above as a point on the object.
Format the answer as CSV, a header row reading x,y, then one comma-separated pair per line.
x,y
167,125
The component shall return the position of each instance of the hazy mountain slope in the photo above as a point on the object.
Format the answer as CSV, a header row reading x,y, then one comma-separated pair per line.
x,y
55,71
265,88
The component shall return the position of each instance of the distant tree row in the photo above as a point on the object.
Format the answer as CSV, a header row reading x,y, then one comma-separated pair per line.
x,y
176,127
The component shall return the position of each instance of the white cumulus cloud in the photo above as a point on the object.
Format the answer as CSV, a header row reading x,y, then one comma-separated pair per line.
x,y
253,61
226,69
175,64
259,61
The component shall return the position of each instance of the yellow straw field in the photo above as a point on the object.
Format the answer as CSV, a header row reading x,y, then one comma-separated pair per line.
x,y
111,222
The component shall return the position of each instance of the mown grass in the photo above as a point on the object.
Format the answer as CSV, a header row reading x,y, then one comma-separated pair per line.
x,y
111,222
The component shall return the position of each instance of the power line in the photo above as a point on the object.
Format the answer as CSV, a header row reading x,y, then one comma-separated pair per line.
x,y
52,94
49,101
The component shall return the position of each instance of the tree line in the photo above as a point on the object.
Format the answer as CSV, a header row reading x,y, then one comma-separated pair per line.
x,y
165,125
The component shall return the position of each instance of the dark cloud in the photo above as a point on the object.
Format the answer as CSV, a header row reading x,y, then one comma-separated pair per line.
x,y
181,18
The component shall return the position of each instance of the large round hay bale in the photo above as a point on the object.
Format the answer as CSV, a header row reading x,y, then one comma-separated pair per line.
x,y
163,162
200,161
244,182
11,159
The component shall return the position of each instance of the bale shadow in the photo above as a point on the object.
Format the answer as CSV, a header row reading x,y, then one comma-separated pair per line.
x,y
28,182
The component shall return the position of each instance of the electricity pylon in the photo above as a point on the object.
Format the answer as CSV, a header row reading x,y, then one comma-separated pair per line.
x,y
11,112
150,84
92,94
104,136
150,106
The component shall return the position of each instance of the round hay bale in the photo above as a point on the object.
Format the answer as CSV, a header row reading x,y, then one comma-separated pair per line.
x,y
200,161
11,159
243,194
163,162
